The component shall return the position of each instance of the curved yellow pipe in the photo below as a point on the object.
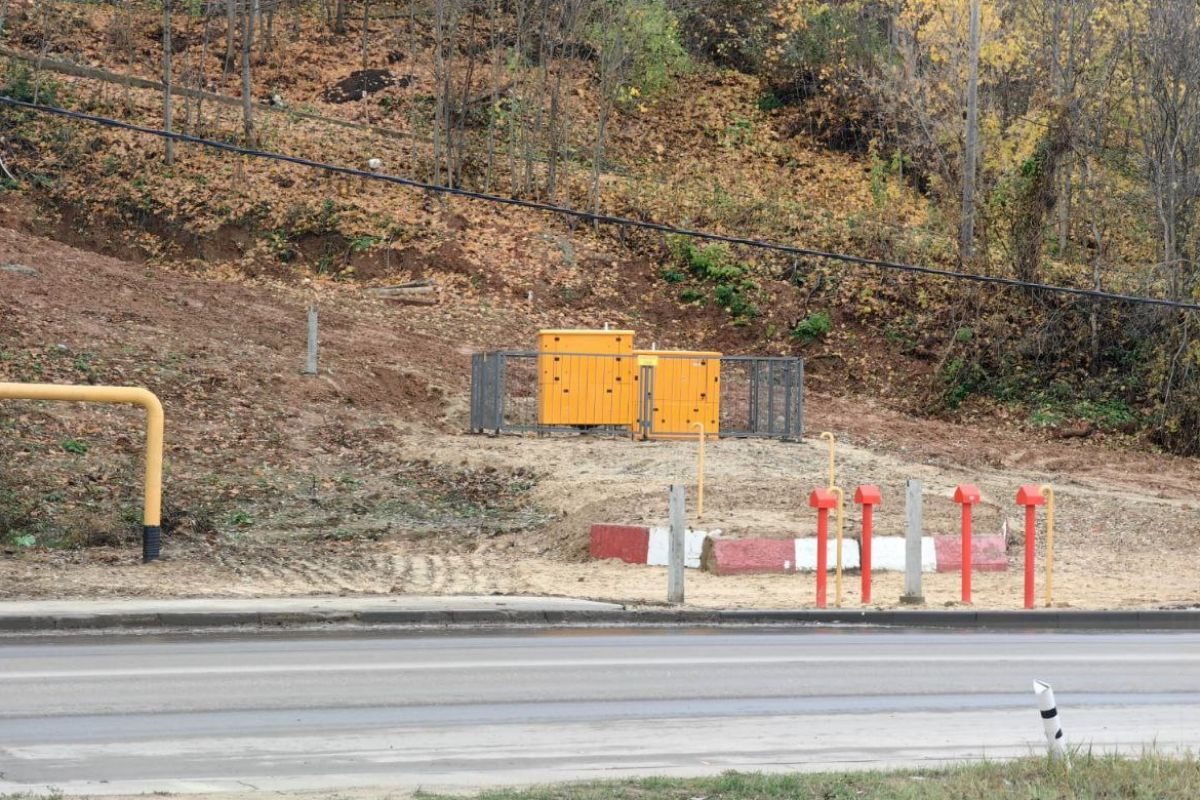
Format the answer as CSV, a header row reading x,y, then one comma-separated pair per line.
x,y
829,437
152,484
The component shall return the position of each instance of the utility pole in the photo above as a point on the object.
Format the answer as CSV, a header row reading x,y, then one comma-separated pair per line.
x,y
966,236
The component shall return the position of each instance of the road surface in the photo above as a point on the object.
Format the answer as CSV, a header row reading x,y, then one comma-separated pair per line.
x,y
292,711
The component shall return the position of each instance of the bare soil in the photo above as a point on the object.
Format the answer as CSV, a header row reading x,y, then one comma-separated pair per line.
x,y
360,480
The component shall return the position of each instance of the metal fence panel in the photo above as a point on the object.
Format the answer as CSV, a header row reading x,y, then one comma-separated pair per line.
x,y
759,396
762,396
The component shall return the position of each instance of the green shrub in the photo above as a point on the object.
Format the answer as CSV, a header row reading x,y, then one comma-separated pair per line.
x,y
769,101
708,262
961,379
713,263
20,83
813,327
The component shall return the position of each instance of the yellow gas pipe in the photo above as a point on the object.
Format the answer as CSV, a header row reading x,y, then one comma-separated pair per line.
x,y
828,436
841,527
152,483
1048,491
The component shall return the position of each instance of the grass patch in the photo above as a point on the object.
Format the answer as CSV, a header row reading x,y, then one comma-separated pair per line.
x,y
1091,777
1104,414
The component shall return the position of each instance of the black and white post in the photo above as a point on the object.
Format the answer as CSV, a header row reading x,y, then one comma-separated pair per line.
x,y
1056,742
675,549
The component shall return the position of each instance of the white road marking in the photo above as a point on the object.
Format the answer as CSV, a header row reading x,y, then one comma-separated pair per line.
x,y
1042,660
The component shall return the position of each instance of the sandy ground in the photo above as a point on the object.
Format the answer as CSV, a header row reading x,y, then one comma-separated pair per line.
x,y
1114,547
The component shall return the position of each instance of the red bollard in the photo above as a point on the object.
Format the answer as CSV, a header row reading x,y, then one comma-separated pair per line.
x,y
967,494
822,500
1030,495
868,496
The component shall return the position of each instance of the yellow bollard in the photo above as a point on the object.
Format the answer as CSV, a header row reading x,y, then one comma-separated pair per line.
x,y
700,475
1048,491
827,436
841,527
152,484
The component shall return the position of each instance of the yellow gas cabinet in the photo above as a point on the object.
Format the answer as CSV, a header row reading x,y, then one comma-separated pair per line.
x,y
687,390
586,377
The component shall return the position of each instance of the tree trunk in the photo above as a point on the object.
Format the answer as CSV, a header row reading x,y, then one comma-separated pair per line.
x,y
230,25
128,10
598,153
168,102
197,102
45,46
494,86
1066,99
249,10
366,33
966,237
339,18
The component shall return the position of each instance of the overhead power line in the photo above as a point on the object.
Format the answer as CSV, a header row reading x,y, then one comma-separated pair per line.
x,y
606,219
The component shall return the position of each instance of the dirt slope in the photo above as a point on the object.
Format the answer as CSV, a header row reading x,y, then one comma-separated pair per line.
x,y
361,480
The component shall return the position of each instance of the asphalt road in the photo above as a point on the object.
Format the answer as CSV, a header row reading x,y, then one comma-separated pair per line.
x,y
191,714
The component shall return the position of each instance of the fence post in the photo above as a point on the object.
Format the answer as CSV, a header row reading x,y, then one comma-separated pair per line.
x,y
310,366
499,367
476,385
675,554
912,545
800,402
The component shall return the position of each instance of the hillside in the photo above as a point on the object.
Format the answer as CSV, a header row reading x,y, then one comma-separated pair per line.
x,y
718,162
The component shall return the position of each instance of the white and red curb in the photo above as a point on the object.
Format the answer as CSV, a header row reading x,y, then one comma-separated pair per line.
x,y
637,544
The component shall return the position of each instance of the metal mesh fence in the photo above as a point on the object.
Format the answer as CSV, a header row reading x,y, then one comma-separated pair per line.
x,y
653,395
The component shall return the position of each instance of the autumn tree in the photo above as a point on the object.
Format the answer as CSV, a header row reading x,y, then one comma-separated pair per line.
x,y
1166,95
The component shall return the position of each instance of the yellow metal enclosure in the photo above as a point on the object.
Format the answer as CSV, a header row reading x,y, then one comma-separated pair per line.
x,y
586,377
687,390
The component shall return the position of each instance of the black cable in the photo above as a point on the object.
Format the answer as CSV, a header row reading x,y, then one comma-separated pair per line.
x,y
605,218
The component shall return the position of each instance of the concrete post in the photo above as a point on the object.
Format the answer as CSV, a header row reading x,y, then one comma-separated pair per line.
x,y
310,366
912,545
675,554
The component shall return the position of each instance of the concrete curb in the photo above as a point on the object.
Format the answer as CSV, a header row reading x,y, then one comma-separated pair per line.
x,y
1167,619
